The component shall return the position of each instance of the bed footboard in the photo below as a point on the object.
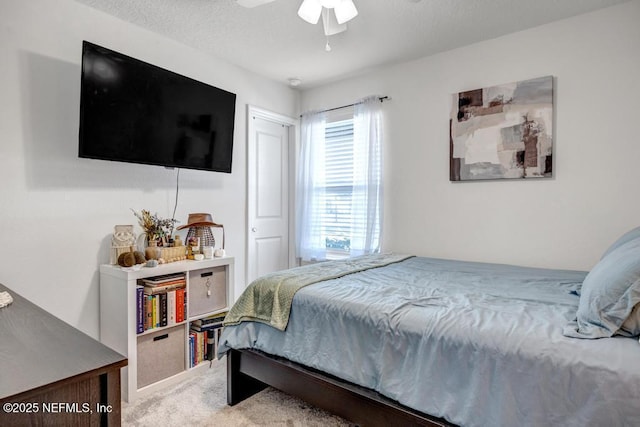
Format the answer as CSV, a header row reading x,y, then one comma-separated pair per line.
x,y
249,371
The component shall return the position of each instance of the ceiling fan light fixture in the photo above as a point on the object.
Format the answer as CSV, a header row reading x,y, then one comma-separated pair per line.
x,y
345,11
310,11
330,23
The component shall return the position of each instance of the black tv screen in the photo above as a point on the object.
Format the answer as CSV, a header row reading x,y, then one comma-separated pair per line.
x,y
132,111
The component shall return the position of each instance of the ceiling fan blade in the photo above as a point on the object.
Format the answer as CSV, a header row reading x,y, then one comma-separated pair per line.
x,y
253,3
345,11
310,11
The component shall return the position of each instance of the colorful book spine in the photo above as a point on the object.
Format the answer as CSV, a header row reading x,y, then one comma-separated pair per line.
x,y
148,319
163,309
180,303
202,345
171,307
196,346
156,311
139,309
191,338
184,306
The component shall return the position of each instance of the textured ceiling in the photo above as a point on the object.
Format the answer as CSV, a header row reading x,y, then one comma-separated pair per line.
x,y
273,41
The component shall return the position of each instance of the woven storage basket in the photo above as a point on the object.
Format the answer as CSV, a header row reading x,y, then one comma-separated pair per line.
x,y
172,254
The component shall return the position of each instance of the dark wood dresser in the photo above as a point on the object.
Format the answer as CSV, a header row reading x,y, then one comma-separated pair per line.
x,y
52,374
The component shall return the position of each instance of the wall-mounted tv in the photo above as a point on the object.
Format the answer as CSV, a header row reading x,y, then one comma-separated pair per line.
x,y
132,111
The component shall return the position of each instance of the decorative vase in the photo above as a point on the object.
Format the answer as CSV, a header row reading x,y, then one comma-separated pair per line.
x,y
152,251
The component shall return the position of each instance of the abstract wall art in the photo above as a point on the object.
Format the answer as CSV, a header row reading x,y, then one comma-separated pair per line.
x,y
503,131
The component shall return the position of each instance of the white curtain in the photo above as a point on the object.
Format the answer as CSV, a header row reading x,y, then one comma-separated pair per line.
x,y
310,238
366,203
366,200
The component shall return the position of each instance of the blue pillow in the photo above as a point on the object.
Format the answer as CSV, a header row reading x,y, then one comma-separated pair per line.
x,y
609,294
626,237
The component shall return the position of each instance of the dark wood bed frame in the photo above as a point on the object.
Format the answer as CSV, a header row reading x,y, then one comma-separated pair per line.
x,y
249,371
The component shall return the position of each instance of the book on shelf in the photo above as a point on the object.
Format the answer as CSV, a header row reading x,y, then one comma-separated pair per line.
x,y
140,309
180,304
202,344
208,327
167,278
148,317
171,308
156,312
153,290
163,309
216,318
191,349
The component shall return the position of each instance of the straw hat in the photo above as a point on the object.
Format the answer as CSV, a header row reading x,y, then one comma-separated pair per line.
x,y
199,220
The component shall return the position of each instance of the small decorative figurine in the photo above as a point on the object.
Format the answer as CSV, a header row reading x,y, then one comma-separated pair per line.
x,y
121,241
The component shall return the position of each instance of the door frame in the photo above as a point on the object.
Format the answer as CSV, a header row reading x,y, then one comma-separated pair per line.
x,y
292,125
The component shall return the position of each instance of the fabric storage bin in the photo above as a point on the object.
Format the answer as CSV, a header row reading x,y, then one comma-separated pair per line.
x,y
161,354
207,290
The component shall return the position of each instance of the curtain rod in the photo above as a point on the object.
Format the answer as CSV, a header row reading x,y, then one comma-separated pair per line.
x,y
380,98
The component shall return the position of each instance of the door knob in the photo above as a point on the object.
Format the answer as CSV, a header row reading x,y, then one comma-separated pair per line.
x,y
254,229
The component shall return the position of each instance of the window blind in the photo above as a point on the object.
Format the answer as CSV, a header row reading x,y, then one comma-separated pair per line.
x,y
337,217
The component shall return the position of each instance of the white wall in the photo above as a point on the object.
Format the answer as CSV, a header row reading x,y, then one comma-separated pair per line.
x,y
564,222
57,211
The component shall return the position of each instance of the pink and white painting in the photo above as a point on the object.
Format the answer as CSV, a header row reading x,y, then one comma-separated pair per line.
x,y
503,131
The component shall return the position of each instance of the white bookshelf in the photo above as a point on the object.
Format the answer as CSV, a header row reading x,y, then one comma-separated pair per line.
x,y
118,317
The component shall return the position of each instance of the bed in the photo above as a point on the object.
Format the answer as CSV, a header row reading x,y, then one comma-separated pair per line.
x,y
429,341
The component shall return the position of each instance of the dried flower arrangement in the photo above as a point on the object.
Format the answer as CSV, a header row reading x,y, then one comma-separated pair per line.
x,y
156,228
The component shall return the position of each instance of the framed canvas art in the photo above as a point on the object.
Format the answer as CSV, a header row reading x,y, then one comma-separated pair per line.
x,y
503,131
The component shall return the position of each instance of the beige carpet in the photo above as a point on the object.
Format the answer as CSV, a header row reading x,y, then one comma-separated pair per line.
x,y
201,401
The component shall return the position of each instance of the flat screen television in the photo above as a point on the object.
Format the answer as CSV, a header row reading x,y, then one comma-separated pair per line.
x,y
132,111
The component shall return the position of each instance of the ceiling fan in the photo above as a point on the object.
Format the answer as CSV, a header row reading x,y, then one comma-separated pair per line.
x,y
335,13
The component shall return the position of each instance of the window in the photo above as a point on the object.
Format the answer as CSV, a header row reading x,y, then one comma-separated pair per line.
x,y
338,193
337,215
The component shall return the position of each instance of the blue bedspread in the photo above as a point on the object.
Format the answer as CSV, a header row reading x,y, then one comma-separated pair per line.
x,y
478,344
